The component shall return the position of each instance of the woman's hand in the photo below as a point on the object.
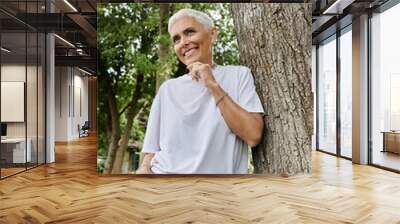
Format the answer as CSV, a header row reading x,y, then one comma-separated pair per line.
x,y
248,126
144,169
200,71
146,164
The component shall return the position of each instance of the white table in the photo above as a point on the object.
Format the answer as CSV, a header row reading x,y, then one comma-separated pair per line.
x,y
19,149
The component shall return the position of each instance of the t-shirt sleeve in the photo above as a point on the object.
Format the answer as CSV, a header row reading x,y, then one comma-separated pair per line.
x,y
248,97
152,137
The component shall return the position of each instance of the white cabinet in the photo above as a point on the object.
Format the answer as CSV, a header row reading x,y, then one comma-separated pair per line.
x,y
18,149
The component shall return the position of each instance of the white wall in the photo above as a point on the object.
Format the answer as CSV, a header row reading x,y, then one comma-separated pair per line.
x,y
12,101
16,73
12,73
33,126
71,94
61,103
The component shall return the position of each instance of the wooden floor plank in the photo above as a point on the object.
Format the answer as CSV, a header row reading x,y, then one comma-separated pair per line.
x,y
70,191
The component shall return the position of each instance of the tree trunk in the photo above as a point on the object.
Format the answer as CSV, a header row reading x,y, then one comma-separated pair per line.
x,y
115,130
275,42
163,74
133,109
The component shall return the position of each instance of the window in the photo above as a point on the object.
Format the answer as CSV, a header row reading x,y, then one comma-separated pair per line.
x,y
327,95
385,88
346,92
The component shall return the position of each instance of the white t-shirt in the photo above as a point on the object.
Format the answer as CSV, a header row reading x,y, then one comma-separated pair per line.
x,y
187,132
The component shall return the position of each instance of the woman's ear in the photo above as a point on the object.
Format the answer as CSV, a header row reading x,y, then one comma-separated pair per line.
x,y
214,35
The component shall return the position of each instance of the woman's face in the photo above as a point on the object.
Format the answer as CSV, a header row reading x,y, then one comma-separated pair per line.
x,y
192,41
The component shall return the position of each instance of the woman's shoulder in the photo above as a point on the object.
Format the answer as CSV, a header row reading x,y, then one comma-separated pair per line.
x,y
173,82
240,72
235,68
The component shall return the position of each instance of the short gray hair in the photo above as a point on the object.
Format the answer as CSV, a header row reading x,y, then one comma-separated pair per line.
x,y
199,16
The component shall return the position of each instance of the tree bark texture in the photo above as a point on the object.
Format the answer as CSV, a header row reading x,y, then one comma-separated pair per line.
x,y
115,129
163,51
274,40
131,113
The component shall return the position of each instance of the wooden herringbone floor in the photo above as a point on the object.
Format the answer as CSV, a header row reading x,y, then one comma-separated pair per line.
x,y
70,191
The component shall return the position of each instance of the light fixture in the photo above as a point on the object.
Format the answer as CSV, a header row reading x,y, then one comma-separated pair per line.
x,y
337,7
5,50
65,41
80,51
70,5
86,72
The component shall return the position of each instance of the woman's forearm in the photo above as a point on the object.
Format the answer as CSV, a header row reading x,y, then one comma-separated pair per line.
x,y
248,126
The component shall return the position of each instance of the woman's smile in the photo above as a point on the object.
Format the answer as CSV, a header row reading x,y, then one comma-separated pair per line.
x,y
190,52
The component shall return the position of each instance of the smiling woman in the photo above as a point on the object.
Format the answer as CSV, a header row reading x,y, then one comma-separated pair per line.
x,y
202,122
